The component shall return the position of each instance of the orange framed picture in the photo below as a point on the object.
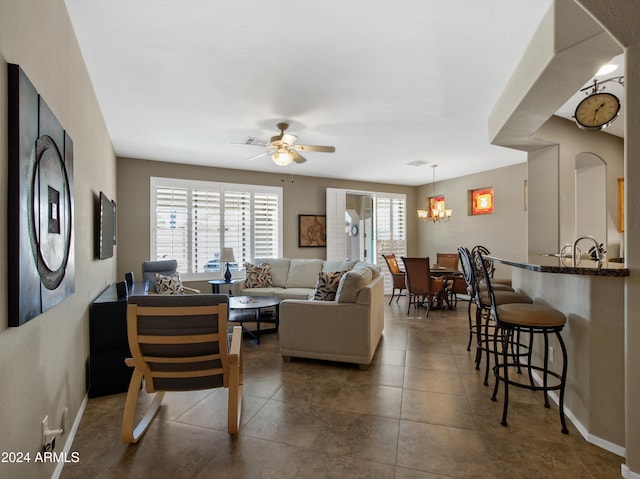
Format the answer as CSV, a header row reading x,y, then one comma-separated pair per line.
x,y
482,201
436,205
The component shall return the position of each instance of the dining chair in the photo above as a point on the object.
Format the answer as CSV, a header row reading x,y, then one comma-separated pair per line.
x,y
423,288
180,343
454,284
397,276
448,260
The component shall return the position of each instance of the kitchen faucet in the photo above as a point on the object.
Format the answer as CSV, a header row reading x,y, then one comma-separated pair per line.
x,y
597,252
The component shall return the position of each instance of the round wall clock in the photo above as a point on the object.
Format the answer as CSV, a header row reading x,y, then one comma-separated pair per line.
x,y
597,111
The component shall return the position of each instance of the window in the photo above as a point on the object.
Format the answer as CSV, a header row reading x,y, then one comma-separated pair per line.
x,y
191,221
386,235
391,233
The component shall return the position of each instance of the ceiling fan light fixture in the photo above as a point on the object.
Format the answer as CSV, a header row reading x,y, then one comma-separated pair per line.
x,y
606,69
282,157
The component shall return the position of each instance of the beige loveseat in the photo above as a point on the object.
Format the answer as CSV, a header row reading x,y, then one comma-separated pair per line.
x,y
347,329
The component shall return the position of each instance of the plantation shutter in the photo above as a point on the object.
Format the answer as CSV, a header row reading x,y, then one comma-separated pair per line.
x,y
172,225
266,225
206,237
191,221
391,234
238,224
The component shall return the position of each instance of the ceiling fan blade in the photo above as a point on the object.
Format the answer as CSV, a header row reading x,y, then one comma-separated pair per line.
x,y
326,149
258,156
297,157
253,141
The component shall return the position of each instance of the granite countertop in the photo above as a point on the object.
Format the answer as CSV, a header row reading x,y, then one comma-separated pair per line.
x,y
551,264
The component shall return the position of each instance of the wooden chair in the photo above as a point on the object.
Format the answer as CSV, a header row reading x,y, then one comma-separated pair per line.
x,y
423,288
449,260
453,285
397,276
180,343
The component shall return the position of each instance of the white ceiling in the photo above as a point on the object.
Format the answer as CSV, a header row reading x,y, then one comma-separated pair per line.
x,y
386,83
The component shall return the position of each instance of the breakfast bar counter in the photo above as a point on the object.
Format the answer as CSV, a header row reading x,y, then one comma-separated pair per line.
x,y
552,264
592,298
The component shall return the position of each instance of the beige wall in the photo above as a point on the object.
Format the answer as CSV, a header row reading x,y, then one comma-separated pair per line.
x,y
42,363
504,232
303,195
574,141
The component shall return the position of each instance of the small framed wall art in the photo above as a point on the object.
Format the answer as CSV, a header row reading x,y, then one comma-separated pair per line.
x,y
312,230
481,201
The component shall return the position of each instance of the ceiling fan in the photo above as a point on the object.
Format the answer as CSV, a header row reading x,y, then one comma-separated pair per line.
x,y
282,148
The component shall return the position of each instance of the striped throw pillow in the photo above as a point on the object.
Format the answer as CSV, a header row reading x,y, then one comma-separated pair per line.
x,y
327,285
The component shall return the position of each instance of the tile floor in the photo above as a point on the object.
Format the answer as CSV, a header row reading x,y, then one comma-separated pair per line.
x,y
420,411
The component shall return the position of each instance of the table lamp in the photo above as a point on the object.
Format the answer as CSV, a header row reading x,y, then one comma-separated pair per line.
x,y
227,257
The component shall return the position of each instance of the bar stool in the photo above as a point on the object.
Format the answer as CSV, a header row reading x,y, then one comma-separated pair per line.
x,y
515,318
471,288
483,322
490,267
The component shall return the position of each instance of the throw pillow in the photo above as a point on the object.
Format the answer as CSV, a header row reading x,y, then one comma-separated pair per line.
x,y
258,276
169,284
327,285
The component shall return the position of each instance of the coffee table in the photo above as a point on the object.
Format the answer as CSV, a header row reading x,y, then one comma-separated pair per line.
x,y
257,304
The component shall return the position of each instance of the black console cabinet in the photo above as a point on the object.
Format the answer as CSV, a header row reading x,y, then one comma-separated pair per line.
x,y
108,344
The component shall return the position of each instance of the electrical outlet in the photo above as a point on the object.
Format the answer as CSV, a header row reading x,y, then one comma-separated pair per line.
x,y
551,354
49,436
48,441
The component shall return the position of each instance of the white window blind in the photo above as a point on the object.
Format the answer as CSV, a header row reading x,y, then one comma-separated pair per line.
x,y
191,221
238,224
266,222
172,225
391,233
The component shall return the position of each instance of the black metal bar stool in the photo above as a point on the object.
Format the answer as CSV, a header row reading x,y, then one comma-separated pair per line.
x,y
483,323
516,318
473,288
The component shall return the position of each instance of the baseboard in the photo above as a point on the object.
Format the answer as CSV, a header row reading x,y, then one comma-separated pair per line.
x,y
71,436
628,473
584,432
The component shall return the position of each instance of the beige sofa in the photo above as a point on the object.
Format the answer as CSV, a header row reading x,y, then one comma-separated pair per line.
x,y
291,278
347,329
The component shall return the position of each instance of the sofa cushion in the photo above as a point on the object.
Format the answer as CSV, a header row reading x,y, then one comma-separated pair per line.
x,y
375,269
303,273
337,265
170,284
294,293
260,291
279,270
352,282
258,276
327,285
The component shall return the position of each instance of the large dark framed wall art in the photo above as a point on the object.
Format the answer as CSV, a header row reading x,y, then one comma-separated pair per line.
x,y
41,262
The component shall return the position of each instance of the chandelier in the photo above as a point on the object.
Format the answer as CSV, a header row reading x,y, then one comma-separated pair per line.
x,y
437,211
